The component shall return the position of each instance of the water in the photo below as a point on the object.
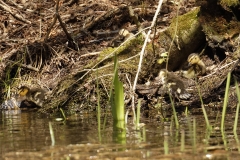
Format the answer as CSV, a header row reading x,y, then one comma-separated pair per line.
x,y
26,135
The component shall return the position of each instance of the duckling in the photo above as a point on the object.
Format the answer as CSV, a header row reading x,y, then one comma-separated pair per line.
x,y
11,103
174,85
14,102
197,67
25,98
31,97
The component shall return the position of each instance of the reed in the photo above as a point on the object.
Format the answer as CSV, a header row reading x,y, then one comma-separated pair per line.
x,y
98,111
236,118
138,114
225,101
237,110
63,114
174,111
182,141
194,136
51,134
117,99
166,145
203,108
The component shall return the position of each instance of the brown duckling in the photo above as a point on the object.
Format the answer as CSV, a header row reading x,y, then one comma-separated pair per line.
x,y
31,97
197,67
174,85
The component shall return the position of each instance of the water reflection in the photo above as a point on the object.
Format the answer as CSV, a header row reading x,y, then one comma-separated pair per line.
x,y
26,135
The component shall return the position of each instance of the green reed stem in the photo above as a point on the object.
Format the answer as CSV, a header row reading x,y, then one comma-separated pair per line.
x,y
117,99
165,144
194,135
186,112
63,114
138,113
237,110
171,124
51,134
236,118
144,134
98,111
225,101
182,140
174,112
203,108
237,140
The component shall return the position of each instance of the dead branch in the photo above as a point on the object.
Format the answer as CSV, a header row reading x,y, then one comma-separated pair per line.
x,y
72,43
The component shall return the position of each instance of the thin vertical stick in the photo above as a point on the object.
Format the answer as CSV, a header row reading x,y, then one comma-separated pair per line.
x,y
143,48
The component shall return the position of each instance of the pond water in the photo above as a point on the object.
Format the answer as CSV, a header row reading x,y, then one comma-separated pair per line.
x,y
26,135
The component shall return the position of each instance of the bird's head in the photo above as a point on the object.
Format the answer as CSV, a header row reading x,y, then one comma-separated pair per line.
x,y
193,59
23,91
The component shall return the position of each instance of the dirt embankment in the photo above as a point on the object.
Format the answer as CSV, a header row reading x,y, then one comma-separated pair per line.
x,y
59,47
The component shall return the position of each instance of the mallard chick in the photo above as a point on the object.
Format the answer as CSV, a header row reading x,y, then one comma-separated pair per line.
x,y
31,97
197,67
11,103
174,85
25,98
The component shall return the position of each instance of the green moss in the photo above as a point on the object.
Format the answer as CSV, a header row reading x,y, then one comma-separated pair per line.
x,y
230,3
191,18
124,51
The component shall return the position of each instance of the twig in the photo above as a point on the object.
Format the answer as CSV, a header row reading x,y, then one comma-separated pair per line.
x,y
236,61
5,7
50,28
143,48
104,17
30,67
72,43
90,54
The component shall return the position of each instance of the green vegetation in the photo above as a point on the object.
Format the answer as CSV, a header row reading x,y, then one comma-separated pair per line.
x,y
117,96
203,108
237,110
63,114
230,3
98,111
174,111
138,114
225,101
51,134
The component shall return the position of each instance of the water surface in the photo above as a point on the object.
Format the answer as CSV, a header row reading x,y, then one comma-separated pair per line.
x,y
26,135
